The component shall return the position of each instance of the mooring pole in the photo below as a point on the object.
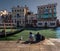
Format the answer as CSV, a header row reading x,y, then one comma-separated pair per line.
x,y
4,29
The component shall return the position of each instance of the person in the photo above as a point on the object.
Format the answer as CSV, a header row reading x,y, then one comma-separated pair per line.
x,y
38,37
31,37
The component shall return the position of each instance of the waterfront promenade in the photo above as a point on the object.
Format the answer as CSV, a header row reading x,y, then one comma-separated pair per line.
x,y
47,45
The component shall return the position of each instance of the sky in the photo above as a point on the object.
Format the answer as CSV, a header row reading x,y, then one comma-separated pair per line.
x,y
32,4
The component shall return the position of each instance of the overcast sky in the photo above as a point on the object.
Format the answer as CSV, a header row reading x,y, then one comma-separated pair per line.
x,y
32,4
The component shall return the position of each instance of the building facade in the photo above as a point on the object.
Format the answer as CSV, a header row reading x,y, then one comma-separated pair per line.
x,y
18,15
32,19
3,17
47,15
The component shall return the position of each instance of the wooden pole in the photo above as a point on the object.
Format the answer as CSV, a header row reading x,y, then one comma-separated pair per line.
x,y
10,21
5,29
11,26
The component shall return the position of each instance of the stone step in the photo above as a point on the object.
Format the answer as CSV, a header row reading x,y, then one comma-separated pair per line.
x,y
46,45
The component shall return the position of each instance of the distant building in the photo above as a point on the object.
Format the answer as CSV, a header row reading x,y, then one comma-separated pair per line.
x,y
3,17
32,19
47,15
3,12
19,15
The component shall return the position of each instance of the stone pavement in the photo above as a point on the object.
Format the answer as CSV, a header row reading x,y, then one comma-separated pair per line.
x,y
47,45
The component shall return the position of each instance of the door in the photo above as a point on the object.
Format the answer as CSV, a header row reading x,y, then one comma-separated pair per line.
x,y
46,24
17,23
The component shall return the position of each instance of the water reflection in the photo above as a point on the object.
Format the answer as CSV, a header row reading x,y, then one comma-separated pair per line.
x,y
58,32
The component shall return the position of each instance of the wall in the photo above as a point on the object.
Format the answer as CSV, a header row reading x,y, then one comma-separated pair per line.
x,y
48,23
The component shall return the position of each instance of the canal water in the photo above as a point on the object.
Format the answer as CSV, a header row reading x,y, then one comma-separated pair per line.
x,y
58,32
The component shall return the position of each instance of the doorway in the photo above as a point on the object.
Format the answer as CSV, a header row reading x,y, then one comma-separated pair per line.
x,y
45,24
18,24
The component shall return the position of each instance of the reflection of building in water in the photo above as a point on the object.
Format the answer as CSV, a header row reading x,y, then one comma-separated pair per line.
x,y
47,15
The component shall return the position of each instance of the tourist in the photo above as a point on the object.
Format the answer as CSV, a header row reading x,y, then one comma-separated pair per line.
x,y
38,37
31,37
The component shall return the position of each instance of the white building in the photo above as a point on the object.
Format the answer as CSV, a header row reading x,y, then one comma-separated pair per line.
x,y
31,17
47,15
18,15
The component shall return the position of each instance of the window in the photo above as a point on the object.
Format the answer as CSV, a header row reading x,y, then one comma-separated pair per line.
x,y
49,15
9,24
38,8
31,18
23,22
50,6
15,20
46,11
15,16
17,10
47,7
18,15
54,15
44,15
44,7
54,5
41,8
12,21
52,23
1,24
12,10
50,11
39,23
20,10
20,22
54,10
